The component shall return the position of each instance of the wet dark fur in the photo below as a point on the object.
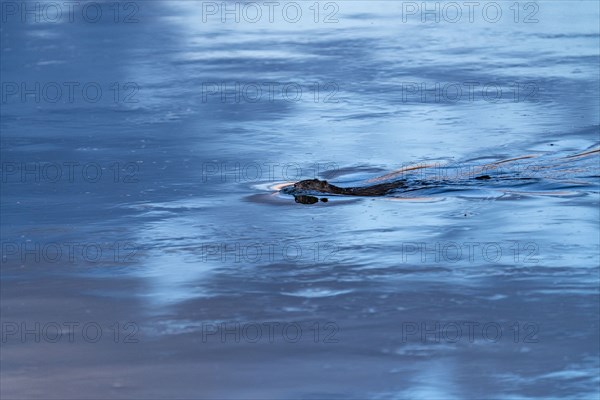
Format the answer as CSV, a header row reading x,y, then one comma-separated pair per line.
x,y
317,185
304,191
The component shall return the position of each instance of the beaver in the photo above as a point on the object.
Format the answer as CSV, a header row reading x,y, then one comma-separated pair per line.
x,y
316,185
305,191
302,190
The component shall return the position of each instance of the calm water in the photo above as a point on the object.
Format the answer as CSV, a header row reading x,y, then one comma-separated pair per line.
x,y
146,252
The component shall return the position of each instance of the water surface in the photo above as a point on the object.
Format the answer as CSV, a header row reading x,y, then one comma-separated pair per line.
x,y
232,290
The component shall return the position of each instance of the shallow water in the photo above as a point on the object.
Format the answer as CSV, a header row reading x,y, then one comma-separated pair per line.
x,y
147,252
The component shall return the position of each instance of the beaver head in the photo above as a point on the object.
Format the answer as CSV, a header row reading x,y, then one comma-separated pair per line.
x,y
312,184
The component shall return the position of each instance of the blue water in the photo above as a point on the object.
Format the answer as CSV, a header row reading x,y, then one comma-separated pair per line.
x,y
145,202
